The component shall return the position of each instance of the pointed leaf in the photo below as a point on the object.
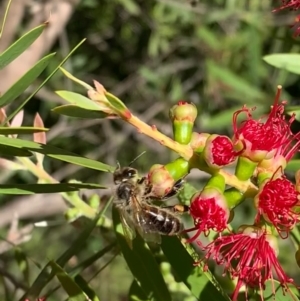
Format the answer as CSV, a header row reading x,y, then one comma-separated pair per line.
x,y
20,45
56,153
18,120
136,293
45,188
21,130
142,264
76,111
39,137
198,282
86,288
25,81
116,102
78,99
286,61
21,105
75,79
74,292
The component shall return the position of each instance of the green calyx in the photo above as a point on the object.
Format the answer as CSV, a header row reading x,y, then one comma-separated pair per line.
x,y
245,168
233,197
178,169
217,182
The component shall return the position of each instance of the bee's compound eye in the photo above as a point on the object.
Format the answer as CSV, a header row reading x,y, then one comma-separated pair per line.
x,y
131,173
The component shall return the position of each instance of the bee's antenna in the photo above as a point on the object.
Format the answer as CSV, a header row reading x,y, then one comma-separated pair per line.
x,y
118,166
137,158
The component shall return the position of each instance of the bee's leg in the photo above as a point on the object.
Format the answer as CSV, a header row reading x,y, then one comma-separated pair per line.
x,y
175,189
178,208
148,186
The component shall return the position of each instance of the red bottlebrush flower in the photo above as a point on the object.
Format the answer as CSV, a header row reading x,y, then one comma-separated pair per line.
x,y
278,202
219,151
250,256
209,211
259,140
291,4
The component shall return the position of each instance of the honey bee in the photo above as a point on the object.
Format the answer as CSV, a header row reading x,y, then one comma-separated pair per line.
x,y
133,196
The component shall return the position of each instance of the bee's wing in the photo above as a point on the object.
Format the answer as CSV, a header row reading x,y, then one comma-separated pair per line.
x,y
143,228
128,227
148,235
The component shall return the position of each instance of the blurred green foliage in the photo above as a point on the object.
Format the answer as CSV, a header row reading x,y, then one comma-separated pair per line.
x,y
150,54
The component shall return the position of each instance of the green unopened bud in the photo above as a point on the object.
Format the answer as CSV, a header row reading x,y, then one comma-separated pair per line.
x,y
198,141
183,116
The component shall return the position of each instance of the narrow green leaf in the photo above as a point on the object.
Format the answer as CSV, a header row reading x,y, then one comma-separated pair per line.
x,y
56,153
5,17
21,105
76,111
229,78
21,130
136,293
70,286
42,279
86,288
78,243
116,102
45,188
194,278
286,61
20,45
75,79
45,276
8,151
78,99
89,261
25,81
142,264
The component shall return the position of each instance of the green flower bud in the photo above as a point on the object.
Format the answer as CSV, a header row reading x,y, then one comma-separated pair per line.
x,y
183,116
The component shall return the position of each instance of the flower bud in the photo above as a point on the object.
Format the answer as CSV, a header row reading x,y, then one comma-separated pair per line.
x,y
183,116
198,141
218,151
163,177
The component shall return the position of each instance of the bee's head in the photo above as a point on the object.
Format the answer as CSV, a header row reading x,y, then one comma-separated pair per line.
x,y
124,174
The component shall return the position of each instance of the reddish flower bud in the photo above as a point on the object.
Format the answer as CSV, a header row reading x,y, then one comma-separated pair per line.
x,y
209,211
218,151
183,116
250,256
198,141
278,201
